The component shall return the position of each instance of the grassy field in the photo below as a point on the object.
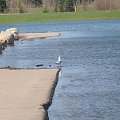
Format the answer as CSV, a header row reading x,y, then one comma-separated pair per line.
x,y
52,16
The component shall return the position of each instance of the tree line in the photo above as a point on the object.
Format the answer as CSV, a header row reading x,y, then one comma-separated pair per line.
x,y
18,5
21,6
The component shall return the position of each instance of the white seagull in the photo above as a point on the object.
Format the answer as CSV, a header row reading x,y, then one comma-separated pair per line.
x,y
58,60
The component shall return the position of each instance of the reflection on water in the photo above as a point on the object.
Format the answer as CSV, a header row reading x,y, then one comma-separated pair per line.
x,y
89,85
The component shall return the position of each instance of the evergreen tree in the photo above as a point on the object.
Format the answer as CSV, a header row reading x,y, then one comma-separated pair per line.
x,y
56,6
61,5
2,5
66,5
69,6
37,3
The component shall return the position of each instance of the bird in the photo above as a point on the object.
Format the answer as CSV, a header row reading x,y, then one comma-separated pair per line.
x,y
58,60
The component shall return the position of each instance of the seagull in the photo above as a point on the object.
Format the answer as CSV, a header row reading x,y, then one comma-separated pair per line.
x,y
58,60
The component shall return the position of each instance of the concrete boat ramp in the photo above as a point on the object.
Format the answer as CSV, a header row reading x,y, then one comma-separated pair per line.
x,y
25,94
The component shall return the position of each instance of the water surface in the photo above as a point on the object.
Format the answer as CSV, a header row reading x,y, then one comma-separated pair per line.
x,y
89,83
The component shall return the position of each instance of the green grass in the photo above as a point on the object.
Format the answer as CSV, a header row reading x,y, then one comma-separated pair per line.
x,y
59,16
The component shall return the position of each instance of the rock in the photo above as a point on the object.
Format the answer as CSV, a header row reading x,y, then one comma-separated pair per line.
x,y
0,48
2,31
7,37
39,65
14,31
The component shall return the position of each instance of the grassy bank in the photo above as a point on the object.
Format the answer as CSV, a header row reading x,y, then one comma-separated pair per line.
x,y
52,16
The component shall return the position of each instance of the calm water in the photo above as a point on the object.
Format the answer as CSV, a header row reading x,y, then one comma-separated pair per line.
x,y
89,83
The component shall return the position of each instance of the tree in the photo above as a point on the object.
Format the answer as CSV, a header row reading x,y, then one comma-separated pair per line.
x,y
37,3
61,5
87,1
56,6
75,4
69,6
20,8
66,5
2,5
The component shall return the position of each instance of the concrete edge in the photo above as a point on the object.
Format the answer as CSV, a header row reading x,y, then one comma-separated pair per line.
x,y
52,91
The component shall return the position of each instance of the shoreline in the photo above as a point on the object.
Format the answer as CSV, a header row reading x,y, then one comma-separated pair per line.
x,y
8,39
27,93
60,16
37,35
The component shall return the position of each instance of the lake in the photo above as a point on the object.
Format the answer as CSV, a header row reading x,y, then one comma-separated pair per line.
x,y
89,81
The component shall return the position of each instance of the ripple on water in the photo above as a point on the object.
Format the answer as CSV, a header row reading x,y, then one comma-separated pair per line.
x,y
89,85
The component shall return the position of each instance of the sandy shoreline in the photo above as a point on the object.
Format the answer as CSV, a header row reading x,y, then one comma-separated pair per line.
x,y
38,35
25,94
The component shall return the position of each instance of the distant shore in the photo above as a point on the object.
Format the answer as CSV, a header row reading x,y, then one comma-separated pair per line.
x,y
59,16
26,94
